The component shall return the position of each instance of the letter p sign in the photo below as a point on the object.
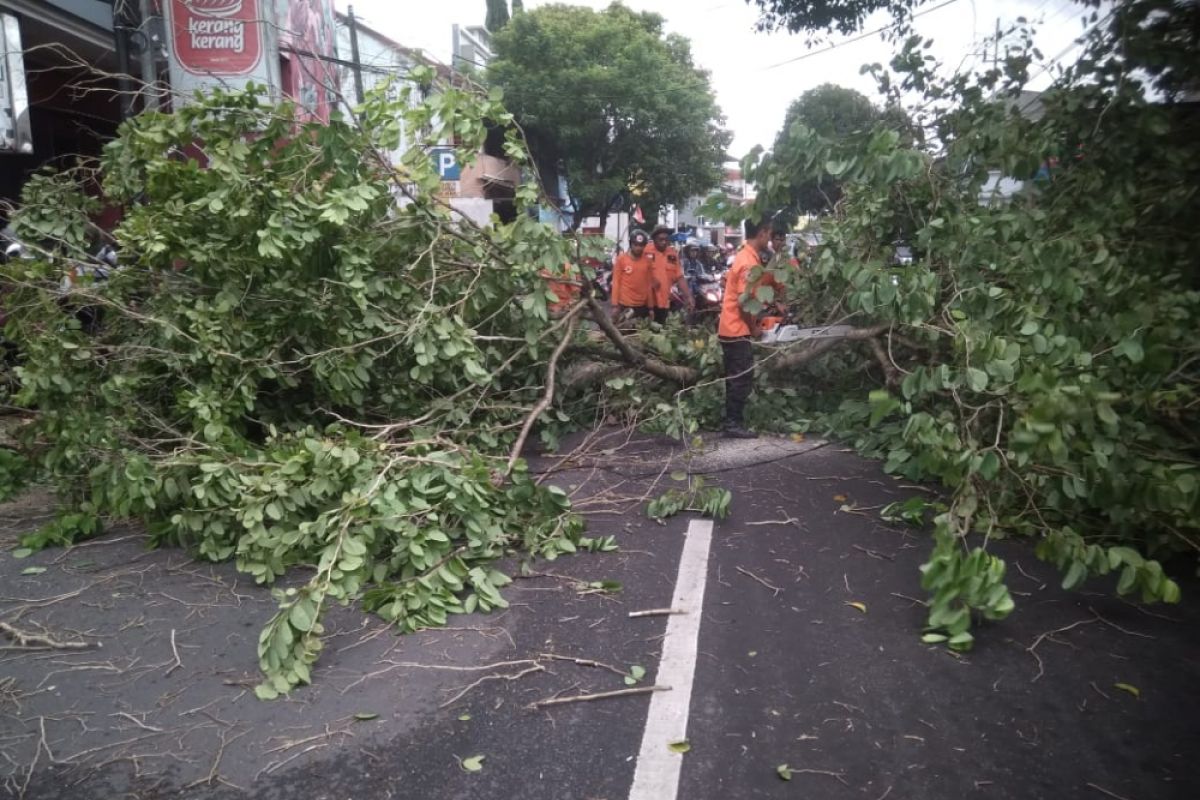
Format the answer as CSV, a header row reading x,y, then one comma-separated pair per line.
x,y
446,163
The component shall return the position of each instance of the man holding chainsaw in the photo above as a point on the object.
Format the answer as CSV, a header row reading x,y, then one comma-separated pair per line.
x,y
738,328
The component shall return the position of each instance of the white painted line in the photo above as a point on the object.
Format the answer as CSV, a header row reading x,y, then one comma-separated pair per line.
x,y
657,773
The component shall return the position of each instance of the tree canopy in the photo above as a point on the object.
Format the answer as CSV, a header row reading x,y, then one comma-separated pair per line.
x,y
497,15
613,101
844,16
833,112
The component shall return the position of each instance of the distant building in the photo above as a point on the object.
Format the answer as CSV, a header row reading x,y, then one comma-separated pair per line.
x,y
471,46
738,192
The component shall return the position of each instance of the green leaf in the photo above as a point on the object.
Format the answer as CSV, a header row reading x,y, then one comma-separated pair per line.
x,y
1075,576
365,716
681,746
303,614
472,764
636,673
784,772
1129,689
33,570
989,467
22,552
265,691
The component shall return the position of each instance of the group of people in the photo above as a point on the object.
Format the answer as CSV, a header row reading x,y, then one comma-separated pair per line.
x,y
643,277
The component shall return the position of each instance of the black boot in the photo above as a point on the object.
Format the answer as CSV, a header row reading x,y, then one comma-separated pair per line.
x,y
736,430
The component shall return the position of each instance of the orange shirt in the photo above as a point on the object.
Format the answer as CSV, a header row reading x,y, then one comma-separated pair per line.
x,y
733,321
631,280
666,271
566,289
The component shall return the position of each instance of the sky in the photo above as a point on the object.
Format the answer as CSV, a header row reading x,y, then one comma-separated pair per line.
x,y
725,43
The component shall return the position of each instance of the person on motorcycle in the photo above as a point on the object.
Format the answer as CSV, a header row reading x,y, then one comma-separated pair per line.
x,y
693,262
631,279
667,272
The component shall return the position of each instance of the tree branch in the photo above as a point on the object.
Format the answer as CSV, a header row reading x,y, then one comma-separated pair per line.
x,y
685,376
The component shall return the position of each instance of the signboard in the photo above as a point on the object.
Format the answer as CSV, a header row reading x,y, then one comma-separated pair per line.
x,y
15,134
216,37
450,189
219,43
446,162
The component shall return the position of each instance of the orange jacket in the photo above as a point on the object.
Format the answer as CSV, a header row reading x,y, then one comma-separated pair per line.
x,y
631,280
565,288
735,322
666,271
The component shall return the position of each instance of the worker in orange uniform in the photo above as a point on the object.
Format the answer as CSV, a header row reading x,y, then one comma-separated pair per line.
x,y
737,327
668,272
632,279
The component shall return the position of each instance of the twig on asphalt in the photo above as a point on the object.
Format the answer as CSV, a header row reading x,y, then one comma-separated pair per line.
x,y
178,663
26,638
394,665
655,612
586,662
1032,649
583,698
137,721
1099,691
494,677
846,580
787,521
1017,564
885,794
751,575
212,772
912,600
1102,790
828,772
1117,627
872,553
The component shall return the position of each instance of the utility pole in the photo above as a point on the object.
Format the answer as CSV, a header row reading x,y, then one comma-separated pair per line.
x,y
149,51
356,64
995,58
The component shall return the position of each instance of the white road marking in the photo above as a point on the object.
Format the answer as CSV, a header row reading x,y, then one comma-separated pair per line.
x,y
657,773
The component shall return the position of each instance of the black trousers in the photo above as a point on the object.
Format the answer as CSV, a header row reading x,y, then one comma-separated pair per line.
x,y
660,315
739,377
635,312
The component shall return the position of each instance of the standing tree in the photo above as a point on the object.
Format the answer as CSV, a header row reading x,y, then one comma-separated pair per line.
x,y
833,112
497,15
612,101
517,7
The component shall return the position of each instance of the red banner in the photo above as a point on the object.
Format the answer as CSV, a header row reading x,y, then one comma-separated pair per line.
x,y
216,37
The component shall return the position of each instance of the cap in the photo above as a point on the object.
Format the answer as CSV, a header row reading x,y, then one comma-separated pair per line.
x,y
638,237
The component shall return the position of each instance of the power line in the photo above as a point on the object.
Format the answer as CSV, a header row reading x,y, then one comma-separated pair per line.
x,y
858,38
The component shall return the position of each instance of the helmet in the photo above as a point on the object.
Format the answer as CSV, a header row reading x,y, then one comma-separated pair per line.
x,y
660,229
638,237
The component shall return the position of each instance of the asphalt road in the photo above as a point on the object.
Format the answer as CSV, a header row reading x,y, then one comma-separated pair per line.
x,y
808,655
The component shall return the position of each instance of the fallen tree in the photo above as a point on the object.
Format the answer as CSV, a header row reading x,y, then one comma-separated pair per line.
x,y
306,359
1041,359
